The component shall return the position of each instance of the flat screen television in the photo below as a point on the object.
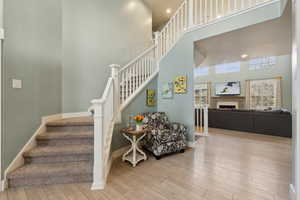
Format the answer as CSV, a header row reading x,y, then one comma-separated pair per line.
x,y
228,88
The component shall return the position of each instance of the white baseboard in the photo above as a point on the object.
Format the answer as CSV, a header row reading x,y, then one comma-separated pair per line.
x,y
191,144
78,114
2,185
98,186
292,191
202,134
119,152
50,118
116,154
19,160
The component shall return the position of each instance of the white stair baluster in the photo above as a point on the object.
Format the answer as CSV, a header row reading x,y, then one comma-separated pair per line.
x,y
217,8
128,82
124,85
235,6
181,21
206,120
140,72
201,21
205,11
211,10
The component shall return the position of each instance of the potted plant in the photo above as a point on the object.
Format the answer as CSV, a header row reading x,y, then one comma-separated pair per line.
x,y
138,120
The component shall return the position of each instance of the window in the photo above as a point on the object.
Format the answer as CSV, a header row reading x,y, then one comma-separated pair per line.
x,y
261,63
228,67
201,71
262,94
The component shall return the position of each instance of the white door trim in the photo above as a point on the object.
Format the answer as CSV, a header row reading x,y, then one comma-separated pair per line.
x,y
297,161
1,42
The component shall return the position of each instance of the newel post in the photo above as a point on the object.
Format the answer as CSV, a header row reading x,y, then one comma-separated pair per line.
x,y
190,13
99,168
116,77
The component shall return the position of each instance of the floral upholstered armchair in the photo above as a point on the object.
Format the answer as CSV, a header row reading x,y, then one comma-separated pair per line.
x,y
163,137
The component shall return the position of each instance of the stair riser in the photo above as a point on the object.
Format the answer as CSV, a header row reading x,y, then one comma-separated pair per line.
x,y
58,159
69,128
60,142
25,182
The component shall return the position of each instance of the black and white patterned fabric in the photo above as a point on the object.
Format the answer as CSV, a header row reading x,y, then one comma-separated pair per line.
x,y
164,137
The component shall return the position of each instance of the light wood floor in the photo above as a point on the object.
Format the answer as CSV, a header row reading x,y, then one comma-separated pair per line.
x,y
227,165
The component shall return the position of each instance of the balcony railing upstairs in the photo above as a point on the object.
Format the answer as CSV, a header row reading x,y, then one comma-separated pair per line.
x,y
194,13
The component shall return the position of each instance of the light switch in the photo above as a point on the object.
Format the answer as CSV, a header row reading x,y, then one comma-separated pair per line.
x,y
17,83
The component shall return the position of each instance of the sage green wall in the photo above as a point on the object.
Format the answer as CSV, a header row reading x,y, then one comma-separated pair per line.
x,y
296,97
1,13
282,68
97,33
61,50
137,106
32,53
180,61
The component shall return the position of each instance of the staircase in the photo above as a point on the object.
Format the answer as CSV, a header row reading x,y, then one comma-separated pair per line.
x,y
64,154
78,149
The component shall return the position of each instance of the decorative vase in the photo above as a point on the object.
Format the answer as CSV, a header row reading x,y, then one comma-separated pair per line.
x,y
139,127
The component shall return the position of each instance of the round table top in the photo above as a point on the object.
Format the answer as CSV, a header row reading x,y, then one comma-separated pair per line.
x,y
133,131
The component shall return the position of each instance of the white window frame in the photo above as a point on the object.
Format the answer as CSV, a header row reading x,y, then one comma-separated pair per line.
x,y
277,89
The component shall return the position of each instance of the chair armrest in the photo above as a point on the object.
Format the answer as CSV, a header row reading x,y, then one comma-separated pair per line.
x,y
179,128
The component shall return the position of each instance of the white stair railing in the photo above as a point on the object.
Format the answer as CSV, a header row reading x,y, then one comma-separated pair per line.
x,y
173,30
194,13
205,11
105,112
124,84
136,74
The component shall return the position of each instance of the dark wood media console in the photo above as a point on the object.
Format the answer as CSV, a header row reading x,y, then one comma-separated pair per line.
x,y
269,123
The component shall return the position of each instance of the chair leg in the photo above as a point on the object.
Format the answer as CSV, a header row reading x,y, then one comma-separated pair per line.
x,y
157,157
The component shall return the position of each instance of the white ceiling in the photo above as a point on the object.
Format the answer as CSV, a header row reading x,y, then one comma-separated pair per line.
x,y
270,38
159,8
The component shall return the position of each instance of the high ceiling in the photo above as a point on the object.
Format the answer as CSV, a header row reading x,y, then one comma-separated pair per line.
x,y
159,8
270,38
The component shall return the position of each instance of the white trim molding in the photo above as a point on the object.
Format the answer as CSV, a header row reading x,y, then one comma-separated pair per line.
x,y
2,185
293,195
78,114
191,144
1,42
1,33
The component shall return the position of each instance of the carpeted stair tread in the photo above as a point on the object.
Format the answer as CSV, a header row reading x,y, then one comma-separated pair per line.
x,y
75,121
52,170
59,150
65,135
64,154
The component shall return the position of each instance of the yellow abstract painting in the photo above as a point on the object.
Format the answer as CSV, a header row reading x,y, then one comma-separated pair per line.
x,y
150,98
180,85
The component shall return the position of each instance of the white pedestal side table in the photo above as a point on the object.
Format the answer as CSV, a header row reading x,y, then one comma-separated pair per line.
x,y
134,155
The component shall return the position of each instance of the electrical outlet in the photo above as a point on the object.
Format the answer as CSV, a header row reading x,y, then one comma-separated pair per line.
x,y
17,84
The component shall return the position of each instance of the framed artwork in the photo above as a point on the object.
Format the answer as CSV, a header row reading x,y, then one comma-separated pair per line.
x,y
180,85
167,91
150,98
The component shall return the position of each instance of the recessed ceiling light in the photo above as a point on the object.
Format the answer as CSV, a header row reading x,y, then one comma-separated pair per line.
x,y
244,56
131,5
168,11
